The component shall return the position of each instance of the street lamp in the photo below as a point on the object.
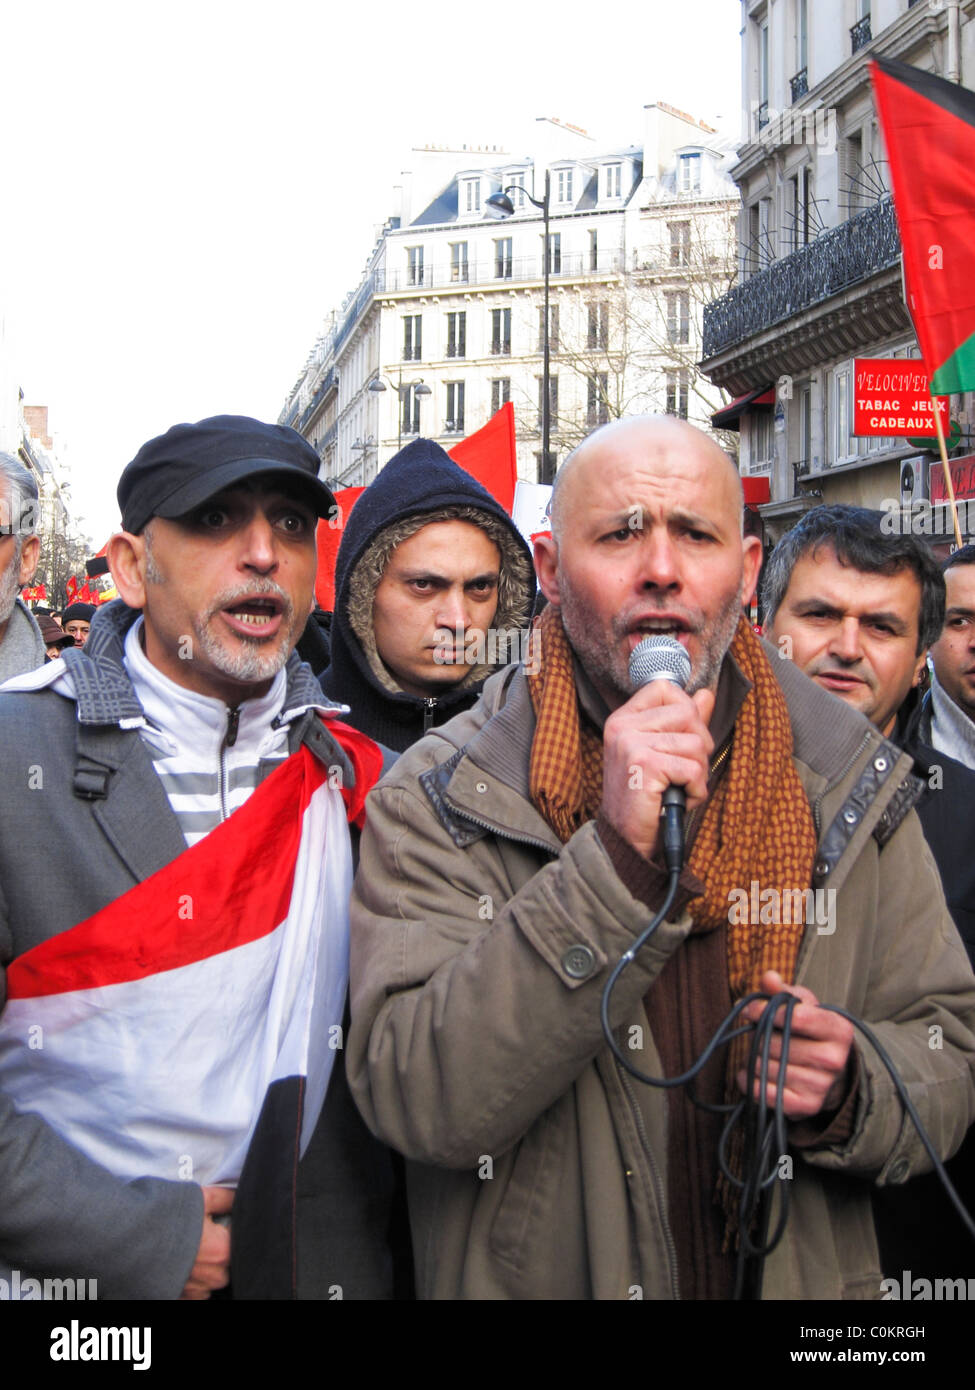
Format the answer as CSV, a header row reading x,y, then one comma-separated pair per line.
x,y
420,388
500,205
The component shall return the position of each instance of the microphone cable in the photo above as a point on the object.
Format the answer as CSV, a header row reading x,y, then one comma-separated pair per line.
x,y
765,1128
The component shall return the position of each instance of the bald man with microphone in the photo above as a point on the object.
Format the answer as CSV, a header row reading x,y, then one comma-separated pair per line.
x,y
513,857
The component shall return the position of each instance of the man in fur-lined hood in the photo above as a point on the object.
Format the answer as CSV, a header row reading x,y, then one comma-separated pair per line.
x,y
433,590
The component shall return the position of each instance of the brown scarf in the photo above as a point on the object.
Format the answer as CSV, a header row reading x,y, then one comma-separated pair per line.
x,y
756,827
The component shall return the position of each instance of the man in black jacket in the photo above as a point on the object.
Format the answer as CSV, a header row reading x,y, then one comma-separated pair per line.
x,y
857,609
433,591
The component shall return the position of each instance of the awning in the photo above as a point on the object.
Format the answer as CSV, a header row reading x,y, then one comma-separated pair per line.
x,y
728,416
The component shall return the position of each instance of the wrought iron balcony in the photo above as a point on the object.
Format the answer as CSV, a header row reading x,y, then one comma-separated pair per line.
x,y
328,383
799,84
327,440
836,260
860,34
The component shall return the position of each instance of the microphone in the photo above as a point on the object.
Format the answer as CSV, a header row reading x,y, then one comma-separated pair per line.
x,y
664,659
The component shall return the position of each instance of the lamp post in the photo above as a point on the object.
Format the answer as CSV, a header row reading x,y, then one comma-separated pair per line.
x,y
500,205
420,388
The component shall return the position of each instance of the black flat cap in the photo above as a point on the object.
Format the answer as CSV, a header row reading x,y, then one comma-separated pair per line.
x,y
182,468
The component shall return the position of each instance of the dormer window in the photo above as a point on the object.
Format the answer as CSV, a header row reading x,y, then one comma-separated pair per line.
x,y
564,185
689,173
516,182
471,195
612,180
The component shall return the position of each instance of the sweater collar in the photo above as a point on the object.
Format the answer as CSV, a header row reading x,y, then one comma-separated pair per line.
x,y
951,730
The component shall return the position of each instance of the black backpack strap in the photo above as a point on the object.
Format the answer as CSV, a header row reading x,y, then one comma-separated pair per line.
x,y
96,758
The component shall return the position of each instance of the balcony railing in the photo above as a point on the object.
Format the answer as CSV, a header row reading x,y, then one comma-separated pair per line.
x,y
328,383
799,84
483,272
836,260
327,439
860,34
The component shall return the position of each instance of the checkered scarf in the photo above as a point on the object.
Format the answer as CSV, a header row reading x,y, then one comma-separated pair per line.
x,y
756,826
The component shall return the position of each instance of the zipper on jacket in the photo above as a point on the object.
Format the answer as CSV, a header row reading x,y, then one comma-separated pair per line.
x,y
655,1176
505,834
229,739
429,708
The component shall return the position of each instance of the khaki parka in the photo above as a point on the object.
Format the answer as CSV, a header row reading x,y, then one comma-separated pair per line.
x,y
480,948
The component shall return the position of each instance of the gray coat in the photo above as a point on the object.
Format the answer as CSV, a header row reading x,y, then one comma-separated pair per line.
x,y
83,800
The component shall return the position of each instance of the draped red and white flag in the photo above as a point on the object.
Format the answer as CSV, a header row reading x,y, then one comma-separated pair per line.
x,y
150,1034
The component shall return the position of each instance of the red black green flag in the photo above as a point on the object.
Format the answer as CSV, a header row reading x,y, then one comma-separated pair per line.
x,y
929,129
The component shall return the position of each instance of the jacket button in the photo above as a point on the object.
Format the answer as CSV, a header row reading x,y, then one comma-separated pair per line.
x,y
880,764
850,817
578,962
822,868
898,1170
480,787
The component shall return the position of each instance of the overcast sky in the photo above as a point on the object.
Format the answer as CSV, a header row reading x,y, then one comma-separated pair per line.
x,y
189,188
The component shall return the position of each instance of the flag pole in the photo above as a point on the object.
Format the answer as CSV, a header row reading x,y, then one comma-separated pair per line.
x,y
944,464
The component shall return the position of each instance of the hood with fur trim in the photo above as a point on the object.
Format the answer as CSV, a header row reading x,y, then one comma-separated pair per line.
x,y
422,484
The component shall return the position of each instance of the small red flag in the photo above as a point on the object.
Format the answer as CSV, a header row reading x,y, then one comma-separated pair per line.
x,y
489,456
329,537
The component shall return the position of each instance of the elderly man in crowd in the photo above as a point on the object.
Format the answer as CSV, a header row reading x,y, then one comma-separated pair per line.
x,y
21,644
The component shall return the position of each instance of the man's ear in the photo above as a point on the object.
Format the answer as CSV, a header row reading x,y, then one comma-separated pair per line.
x,y
126,561
751,565
29,553
547,567
922,661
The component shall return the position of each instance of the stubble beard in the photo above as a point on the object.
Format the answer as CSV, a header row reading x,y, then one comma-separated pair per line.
x,y
9,587
605,657
255,660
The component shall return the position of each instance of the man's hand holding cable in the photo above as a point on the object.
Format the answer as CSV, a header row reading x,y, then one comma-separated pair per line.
x,y
658,738
817,1071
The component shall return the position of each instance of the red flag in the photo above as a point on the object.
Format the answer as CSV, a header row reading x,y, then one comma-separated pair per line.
x,y
489,456
929,129
329,537
71,589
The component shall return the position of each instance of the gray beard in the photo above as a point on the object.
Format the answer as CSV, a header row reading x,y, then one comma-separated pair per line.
x,y
249,667
9,588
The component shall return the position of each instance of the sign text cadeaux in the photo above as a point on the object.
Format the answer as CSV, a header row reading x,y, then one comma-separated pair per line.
x,y
891,397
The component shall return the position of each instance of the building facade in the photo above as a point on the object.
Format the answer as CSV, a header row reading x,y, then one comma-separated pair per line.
x,y
819,253
447,323
24,433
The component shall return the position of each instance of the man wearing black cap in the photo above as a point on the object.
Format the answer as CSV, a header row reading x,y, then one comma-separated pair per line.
x,y
76,621
188,975
433,591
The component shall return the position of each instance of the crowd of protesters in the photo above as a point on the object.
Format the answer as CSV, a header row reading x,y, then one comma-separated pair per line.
x,y
408,1089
